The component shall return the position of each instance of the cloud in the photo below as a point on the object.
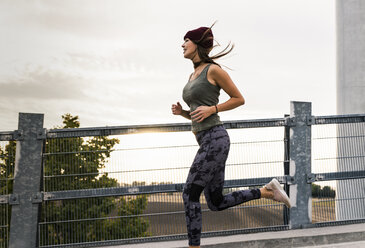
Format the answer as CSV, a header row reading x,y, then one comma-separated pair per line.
x,y
120,61
42,83
101,89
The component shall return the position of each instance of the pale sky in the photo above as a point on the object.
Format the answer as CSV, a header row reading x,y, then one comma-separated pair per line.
x,y
120,62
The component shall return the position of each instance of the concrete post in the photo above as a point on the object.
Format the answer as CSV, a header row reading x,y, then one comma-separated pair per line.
x,y
350,100
300,164
26,195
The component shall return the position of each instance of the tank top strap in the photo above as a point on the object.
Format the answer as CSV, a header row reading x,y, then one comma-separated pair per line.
x,y
205,70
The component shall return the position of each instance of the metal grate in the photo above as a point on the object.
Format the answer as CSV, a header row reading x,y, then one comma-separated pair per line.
x,y
7,159
123,184
145,160
338,159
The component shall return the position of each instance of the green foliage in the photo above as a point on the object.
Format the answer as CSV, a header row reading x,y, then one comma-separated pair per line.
x,y
75,164
134,225
316,190
325,192
7,161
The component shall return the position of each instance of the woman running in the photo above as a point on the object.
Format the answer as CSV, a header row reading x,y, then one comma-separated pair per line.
x,y
207,171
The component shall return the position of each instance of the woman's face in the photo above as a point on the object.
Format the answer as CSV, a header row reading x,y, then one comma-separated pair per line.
x,y
189,49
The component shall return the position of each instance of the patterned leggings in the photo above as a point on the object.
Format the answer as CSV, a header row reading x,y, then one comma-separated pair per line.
x,y
207,173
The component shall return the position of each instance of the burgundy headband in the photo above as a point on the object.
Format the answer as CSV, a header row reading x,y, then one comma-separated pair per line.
x,y
197,34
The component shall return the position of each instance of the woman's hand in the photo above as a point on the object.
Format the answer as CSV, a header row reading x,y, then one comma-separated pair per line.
x,y
201,113
177,109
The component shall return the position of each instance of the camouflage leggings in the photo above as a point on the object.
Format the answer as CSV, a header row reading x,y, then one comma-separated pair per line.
x,y
207,173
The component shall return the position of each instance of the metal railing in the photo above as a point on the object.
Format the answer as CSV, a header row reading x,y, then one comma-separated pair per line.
x,y
149,168
339,143
113,185
6,184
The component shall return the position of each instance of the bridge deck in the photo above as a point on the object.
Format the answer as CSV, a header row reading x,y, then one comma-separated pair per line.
x,y
312,237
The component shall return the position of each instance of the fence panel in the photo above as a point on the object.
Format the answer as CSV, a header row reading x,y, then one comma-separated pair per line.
x,y
7,158
124,184
338,167
129,164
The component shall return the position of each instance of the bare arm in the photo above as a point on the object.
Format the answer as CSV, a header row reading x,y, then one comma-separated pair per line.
x,y
221,78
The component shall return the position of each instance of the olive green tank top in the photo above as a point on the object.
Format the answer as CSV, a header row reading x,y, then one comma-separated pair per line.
x,y
200,92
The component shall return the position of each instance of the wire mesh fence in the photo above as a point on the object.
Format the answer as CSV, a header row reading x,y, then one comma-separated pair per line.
x,y
338,149
132,161
92,219
7,159
124,184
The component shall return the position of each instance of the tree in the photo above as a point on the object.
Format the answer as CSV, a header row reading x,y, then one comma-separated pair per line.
x,y
319,192
316,190
75,164
327,191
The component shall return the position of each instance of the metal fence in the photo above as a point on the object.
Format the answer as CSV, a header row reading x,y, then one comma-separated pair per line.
x,y
6,184
149,170
112,185
338,167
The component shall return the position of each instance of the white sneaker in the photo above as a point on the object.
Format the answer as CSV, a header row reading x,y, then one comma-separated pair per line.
x,y
279,194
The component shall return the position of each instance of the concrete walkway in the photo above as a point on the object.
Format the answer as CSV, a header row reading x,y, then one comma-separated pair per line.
x,y
325,237
358,244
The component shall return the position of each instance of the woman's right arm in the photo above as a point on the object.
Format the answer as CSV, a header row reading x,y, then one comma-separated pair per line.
x,y
178,110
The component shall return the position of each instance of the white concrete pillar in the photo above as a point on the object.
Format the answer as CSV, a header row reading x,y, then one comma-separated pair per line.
x,y
350,100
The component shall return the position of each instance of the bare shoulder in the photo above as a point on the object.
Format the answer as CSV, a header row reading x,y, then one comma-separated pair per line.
x,y
217,74
216,70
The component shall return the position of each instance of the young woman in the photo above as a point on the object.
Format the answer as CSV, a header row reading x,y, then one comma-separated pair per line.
x,y
207,171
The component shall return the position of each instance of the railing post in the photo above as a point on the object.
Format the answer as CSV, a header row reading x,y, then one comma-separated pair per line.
x,y
26,196
286,167
300,164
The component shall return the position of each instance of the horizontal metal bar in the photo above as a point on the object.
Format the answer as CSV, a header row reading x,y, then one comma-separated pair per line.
x,y
117,130
274,122
338,158
339,222
248,182
174,127
338,119
4,199
316,177
105,192
149,189
340,137
7,136
181,127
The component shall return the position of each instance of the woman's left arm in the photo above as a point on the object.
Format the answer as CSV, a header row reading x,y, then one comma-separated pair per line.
x,y
218,76
222,79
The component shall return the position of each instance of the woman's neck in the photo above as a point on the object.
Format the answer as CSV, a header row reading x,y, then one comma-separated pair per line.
x,y
197,64
196,60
